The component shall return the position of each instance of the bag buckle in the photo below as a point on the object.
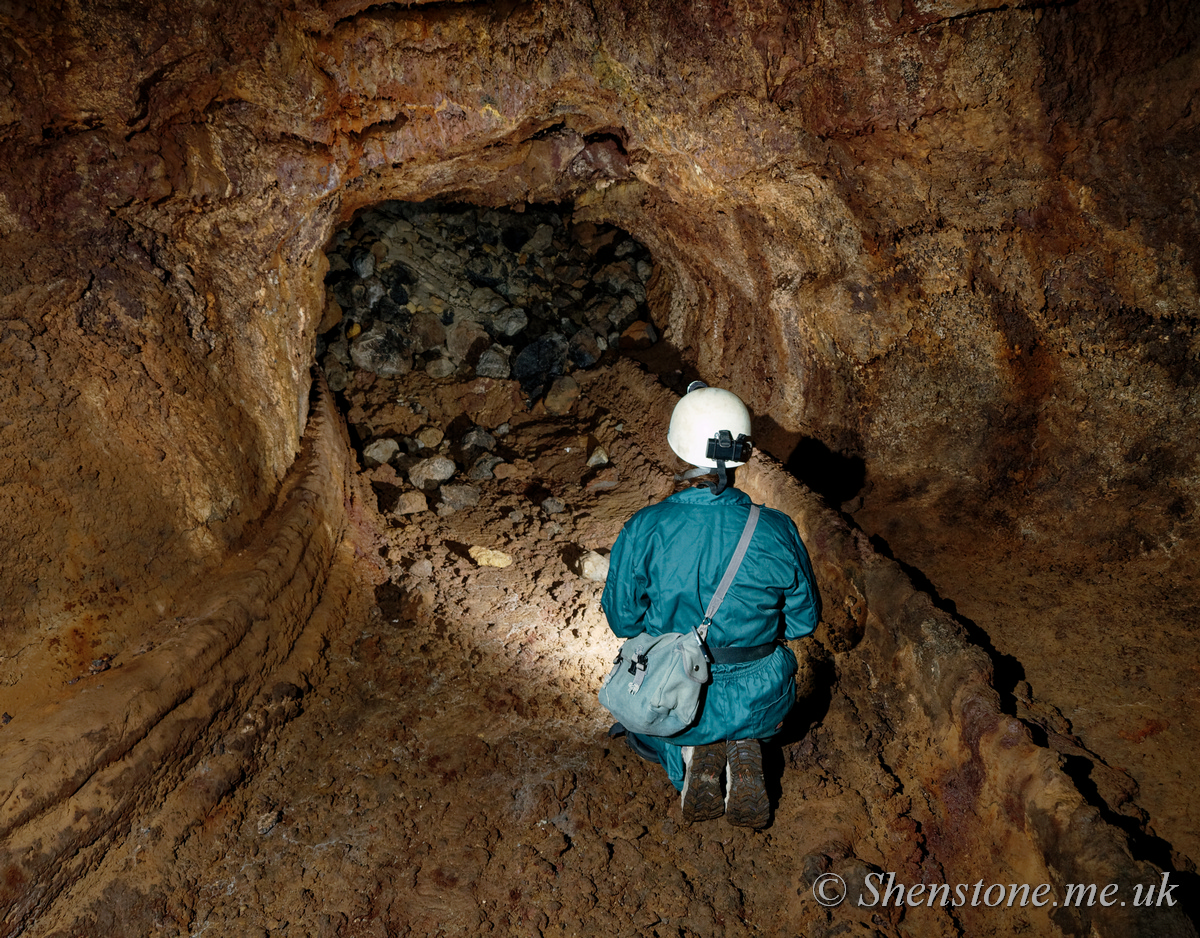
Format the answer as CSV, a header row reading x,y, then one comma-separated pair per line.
x,y
701,633
637,667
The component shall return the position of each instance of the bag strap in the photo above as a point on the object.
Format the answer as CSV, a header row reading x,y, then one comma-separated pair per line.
x,y
739,553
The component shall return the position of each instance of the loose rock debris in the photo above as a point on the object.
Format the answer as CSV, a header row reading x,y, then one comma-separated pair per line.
x,y
491,293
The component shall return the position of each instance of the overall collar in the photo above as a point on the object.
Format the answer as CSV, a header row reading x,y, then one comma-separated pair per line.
x,y
701,495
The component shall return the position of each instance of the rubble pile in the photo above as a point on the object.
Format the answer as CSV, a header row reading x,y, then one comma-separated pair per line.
x,y
461,291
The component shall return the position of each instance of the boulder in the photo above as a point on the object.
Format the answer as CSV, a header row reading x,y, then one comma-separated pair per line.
x,y
429,473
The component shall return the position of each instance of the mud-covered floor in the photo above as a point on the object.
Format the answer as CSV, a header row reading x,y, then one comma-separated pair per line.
x,y
451,773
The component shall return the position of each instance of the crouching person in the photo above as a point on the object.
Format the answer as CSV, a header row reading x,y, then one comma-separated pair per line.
x,y
666,570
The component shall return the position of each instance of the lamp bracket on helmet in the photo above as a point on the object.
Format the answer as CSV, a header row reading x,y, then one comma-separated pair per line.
x,y
724,448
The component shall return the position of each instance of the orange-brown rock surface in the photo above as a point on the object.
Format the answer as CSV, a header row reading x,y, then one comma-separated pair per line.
x,y
951,244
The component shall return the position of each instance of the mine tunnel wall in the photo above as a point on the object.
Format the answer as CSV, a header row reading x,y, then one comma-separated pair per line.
x,y
924,263
947,241
157,742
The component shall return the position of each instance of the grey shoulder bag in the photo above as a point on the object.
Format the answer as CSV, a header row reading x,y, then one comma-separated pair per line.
x,y
654,685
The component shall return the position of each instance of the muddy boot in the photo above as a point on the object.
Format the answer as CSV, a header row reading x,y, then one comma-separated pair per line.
x,y
746,803
703,767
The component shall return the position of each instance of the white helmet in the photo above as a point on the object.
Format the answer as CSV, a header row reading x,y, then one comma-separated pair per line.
x,y
699,417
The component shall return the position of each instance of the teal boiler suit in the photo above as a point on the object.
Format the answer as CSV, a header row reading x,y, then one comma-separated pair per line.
x,y
663,571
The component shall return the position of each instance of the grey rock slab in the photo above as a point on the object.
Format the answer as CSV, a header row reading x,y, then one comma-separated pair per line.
x,y
510,321
542,238
553,506
484,468
493,363
421,569
592,565
486,301
458,497
382,350
479,438
432,471
440,368
379,452
363,263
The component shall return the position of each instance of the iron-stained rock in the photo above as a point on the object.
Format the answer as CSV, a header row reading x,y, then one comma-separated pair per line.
x,y
490,557
640,335
429,437
563,394
410,503
466,341
426,332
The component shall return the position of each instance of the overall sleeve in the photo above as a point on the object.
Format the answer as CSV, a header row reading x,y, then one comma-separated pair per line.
x,y
626,597
802,604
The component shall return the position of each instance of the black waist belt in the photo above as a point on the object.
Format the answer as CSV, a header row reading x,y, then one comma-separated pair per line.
x,y
732,655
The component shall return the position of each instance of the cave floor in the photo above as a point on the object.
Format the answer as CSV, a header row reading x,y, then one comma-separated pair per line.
x,y
452,774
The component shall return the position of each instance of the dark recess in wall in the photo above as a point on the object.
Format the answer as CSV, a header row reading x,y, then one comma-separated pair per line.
x,y
834,476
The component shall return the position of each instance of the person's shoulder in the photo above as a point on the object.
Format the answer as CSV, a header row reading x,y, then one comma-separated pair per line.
x,y
648,514
779,521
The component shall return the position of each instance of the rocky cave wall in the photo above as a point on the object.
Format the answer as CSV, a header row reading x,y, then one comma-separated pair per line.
x,y
955,242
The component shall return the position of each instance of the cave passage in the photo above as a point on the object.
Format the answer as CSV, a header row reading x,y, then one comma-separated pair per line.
x,y
274,669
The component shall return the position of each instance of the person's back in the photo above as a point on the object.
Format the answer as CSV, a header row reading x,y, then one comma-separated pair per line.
x,y
665,568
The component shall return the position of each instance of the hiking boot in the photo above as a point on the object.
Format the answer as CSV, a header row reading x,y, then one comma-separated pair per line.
x,y
703,767
746,802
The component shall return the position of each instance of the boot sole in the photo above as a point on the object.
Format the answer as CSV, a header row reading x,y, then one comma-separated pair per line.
x,y
702,799
747,804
